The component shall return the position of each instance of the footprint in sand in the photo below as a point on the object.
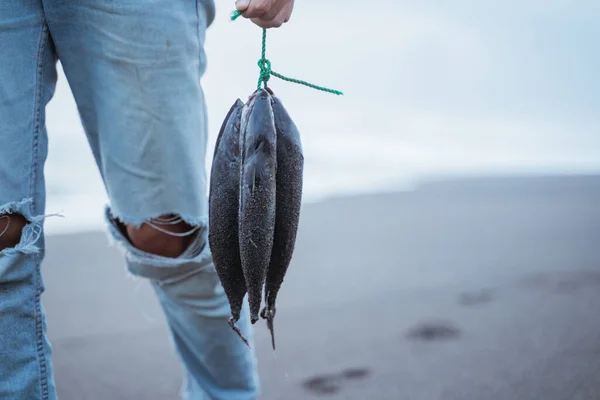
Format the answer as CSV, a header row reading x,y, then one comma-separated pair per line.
x,y
434,331
475,298
562,282
330,384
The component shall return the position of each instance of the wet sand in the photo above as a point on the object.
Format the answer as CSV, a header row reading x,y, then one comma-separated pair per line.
x,y
464,289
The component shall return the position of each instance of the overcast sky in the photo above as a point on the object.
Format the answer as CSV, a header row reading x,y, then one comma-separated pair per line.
x,y
430,86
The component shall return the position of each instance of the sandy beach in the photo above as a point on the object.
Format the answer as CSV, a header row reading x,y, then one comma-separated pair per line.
x,y
467,289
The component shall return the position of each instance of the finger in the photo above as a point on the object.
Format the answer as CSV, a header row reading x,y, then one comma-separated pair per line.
x,y
281,18
275,10
242,5
258,8
286,12
270,23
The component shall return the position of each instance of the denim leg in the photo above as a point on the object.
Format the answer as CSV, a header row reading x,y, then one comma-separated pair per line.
x,y
27,81
219,366
134,68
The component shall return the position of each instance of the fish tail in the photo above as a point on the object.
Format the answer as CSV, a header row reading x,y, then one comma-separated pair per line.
x,y
268,313
237,330
271,327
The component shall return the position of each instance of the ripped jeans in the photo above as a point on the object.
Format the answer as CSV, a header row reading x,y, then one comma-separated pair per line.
x,y
134,68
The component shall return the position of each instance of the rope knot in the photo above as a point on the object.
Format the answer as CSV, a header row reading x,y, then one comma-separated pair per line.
x,y
265,70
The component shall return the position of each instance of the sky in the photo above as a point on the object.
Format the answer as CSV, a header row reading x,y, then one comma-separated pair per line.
x,y
430,87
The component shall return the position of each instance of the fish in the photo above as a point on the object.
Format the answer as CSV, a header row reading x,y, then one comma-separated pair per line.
x,y
223,213
257,194
289,183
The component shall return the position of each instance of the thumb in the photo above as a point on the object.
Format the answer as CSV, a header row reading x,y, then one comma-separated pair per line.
x,y
242,5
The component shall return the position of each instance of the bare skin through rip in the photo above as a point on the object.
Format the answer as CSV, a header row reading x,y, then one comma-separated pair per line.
x,y
11,227
166,236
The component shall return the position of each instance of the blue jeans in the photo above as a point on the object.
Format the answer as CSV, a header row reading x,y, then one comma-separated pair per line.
x,y
134,67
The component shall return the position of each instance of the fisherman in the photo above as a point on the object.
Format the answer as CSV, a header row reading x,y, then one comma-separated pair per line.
x,y
134,69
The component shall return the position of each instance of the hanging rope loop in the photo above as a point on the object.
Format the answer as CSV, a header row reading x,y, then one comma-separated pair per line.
x,y
265,66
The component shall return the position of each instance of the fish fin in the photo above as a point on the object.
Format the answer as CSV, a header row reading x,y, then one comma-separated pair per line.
x,y
272,330
269,315
237,330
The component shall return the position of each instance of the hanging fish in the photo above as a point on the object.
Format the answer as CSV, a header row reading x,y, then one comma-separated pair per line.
x,y
289,179
223,213
255,198
257,194
270,190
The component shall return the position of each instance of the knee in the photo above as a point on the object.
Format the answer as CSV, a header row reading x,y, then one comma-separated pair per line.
x,y
166,236
11,227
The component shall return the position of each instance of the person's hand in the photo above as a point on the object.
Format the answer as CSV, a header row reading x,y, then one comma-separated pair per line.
x,y
266,13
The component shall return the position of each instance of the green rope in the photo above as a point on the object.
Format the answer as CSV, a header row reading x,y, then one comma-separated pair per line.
x,y
265,66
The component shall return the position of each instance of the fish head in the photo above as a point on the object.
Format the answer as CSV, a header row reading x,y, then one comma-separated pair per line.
x,y
258,126
231,124
287,131
257,115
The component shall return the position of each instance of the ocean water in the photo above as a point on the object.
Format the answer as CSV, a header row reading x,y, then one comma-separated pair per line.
x,y
430,88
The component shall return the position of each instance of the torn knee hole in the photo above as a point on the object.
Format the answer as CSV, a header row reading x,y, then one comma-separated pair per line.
x,y
166,236
11,230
